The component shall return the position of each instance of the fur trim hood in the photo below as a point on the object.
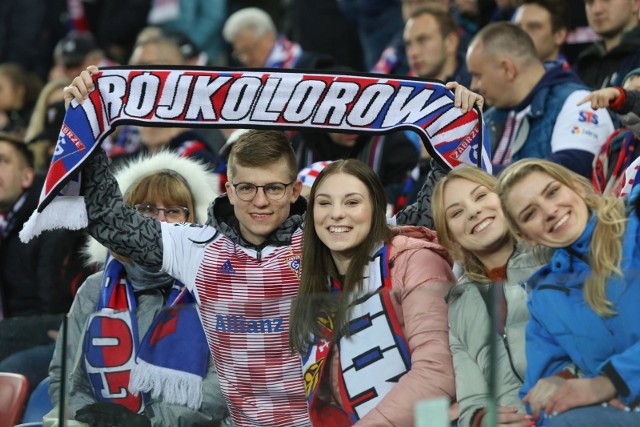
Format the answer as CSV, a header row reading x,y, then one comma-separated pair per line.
x,y
203,184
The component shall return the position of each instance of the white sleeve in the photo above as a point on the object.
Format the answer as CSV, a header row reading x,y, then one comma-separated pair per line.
x,y
183,249
580,127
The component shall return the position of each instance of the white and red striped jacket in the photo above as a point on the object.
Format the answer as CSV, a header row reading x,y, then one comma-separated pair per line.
x,y
244,295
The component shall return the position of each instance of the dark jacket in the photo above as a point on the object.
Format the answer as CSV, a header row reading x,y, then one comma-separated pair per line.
x,y
534,137
598,68
31,274
391,156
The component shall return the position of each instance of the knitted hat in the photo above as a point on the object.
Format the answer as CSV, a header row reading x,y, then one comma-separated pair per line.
x,y
634,72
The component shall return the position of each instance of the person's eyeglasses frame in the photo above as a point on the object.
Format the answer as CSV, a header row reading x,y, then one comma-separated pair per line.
x,y
155,211
257,187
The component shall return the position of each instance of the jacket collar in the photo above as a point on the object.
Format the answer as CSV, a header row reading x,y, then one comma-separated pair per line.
x,y
573,260
222,217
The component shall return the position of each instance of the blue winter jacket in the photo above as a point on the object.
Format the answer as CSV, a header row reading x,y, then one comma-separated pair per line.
x,y
563,328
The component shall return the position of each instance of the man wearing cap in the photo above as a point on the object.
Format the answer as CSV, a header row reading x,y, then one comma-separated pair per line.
x,y
74,53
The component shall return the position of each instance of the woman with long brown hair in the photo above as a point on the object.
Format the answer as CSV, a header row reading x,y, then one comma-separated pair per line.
x,y
370,319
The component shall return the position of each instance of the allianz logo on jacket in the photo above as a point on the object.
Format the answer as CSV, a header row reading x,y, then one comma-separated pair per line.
x,y
240,325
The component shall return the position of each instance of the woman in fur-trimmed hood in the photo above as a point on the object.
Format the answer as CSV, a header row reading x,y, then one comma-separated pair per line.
x,y
202,183
162,387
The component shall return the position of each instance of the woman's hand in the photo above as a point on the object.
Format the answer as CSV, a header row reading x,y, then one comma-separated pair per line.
x,y
601,98
581,392
508,417
81,86
540,394
464,98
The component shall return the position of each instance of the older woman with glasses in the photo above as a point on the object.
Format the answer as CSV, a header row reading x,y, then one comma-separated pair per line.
x,y
124,302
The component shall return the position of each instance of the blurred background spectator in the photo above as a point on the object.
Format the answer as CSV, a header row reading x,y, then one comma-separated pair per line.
x,y
200,20
19,90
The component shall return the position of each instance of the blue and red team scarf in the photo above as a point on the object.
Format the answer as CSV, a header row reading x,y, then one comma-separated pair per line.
x,y
629,180
284,54
256,99
119,366
612,161
365,377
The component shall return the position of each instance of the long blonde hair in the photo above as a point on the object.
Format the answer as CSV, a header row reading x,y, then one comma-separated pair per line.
x,y
37,124
471,264
605,254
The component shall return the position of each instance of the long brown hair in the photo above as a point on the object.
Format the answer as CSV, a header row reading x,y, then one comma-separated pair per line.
x,y
315,298
605,253
471,264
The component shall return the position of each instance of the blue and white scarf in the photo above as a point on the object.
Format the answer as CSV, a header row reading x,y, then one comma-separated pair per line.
x,y
169,362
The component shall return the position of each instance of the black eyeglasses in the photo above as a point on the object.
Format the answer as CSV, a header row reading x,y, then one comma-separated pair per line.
x,y
273,190
172,213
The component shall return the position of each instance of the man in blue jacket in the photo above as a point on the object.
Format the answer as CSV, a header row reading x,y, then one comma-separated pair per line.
x,y
534,105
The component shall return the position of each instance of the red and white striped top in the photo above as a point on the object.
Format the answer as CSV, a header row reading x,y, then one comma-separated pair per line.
x,y
244,298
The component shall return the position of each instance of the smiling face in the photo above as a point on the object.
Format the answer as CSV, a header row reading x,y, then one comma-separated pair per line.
x,y
342,215
474,218
261,216
546,211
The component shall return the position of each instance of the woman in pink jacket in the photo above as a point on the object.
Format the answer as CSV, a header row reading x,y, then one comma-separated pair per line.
x,y
370,319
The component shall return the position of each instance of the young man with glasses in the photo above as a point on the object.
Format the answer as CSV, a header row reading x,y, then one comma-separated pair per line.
x,y
243,268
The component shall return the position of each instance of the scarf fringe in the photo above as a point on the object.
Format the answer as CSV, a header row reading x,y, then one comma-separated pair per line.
x,y
175,387
58,214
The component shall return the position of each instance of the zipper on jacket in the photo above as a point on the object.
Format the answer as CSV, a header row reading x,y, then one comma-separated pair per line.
x,y
505,341
513,368
259,254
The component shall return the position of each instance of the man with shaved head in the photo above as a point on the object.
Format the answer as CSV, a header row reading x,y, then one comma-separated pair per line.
x,y
534,111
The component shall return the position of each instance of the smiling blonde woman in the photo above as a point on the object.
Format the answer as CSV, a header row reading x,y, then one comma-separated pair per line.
x,y
584,303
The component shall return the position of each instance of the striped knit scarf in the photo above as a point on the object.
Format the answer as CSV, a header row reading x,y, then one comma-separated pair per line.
x,y
115,358
275,99
366,373
285,54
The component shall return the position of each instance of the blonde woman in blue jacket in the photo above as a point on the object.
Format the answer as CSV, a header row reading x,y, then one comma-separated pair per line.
x,y
584,304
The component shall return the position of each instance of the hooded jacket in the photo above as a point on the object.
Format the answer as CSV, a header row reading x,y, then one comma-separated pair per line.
x,y
202,183
564,329
151,291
